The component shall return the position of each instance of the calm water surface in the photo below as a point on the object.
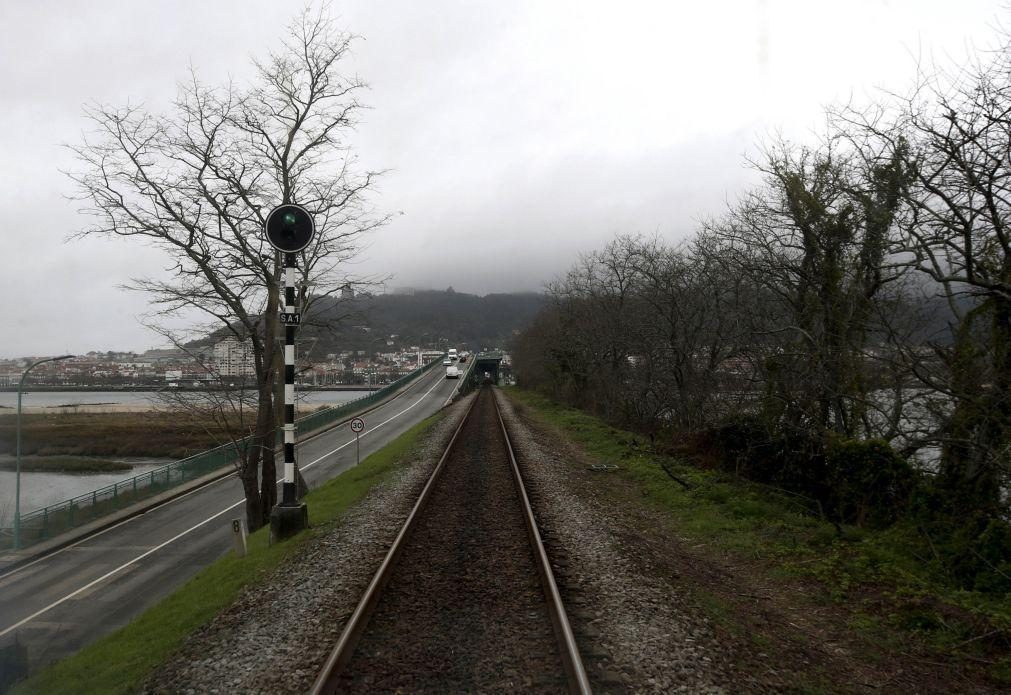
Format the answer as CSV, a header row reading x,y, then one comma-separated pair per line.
x,y
42,489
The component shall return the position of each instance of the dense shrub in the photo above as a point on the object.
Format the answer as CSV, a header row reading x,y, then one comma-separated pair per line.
x,y
975,550
790,460
870,484
857,482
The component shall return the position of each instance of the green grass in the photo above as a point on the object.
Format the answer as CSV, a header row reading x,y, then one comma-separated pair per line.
x,y
879,573
120,662
736,516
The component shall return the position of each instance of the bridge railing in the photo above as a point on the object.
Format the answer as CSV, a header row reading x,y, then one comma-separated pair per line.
x,y
52,520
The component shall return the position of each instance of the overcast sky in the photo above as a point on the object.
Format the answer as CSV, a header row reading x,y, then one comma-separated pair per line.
x,y
516,134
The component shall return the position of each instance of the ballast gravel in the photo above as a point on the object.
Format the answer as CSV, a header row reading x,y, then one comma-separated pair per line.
x,y
636,633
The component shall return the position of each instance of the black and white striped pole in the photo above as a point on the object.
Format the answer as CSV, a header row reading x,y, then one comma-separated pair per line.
x,y
289,229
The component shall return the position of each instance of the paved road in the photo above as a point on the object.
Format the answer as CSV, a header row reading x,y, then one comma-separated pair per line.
x,y
66,600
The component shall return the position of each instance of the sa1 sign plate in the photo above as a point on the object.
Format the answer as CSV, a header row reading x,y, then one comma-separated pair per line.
x,y
291,319
357,425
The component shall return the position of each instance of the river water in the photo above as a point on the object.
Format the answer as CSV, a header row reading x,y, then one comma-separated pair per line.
x,y
40,489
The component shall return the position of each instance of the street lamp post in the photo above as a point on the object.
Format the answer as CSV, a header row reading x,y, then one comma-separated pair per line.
x,y
17,449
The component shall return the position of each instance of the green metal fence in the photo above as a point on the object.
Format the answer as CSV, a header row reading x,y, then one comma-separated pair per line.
x,y
55,519
467,379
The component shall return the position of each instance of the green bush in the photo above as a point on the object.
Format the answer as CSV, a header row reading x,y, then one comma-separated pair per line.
x,y
977,553
791,460
869,484
854,481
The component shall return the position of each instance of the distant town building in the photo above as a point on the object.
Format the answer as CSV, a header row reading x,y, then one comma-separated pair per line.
x,y
166,355
232,358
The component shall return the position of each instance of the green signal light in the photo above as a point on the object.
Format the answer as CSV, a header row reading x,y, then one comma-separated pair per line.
x,y
289,228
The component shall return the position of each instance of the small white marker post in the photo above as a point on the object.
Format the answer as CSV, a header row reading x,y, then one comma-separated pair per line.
x,y
239,534
357,426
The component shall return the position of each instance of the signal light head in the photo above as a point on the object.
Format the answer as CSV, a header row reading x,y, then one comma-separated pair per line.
x,y
289,228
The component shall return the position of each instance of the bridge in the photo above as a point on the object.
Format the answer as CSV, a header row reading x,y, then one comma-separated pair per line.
x,y
487,367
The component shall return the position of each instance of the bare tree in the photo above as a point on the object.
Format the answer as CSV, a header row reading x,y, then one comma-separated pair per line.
x,y
198,181
690,328
956,133
813,243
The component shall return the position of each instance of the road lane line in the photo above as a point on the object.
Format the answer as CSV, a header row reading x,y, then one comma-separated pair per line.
x,y
105,576
110,573
373,429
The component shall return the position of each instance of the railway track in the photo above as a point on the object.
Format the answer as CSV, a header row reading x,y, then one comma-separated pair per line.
x,y
465,599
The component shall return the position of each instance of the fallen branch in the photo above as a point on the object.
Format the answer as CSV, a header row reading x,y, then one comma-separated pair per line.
x,y
674,477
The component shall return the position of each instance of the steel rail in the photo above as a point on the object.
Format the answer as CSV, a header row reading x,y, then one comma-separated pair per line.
x,y
571,660
327,681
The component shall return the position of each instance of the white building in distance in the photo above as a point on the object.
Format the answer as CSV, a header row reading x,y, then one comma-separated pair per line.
x,y
232,358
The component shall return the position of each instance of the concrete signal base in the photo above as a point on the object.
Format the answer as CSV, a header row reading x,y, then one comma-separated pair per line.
x,y
285,522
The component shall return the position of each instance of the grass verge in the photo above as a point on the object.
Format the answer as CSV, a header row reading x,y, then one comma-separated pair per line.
x,y
120,662
894,597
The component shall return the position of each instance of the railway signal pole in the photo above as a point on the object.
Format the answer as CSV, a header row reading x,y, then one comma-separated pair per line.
x,y
289,229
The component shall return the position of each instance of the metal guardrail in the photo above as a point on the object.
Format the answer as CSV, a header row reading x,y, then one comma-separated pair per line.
x,y
467,380
52,520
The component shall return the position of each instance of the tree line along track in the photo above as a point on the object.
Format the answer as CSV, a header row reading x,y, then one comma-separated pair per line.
x,y
464,600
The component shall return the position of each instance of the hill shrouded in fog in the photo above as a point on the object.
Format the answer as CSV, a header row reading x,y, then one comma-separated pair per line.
x,y
426,318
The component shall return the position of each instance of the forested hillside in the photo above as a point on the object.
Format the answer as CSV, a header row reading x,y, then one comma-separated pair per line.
x,y
426,318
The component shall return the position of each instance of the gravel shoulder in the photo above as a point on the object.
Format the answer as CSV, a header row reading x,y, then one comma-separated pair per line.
x,y
636,630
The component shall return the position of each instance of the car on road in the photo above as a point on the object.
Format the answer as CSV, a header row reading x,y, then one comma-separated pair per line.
x,y
452,373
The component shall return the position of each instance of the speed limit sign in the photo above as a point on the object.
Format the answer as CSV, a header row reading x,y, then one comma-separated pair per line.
x,y
357,425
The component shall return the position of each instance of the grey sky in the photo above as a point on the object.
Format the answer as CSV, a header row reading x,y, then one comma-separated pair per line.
x,y
517,134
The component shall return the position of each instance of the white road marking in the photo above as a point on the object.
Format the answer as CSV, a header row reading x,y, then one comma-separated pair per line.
x,y
140,557
108,574
374,428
